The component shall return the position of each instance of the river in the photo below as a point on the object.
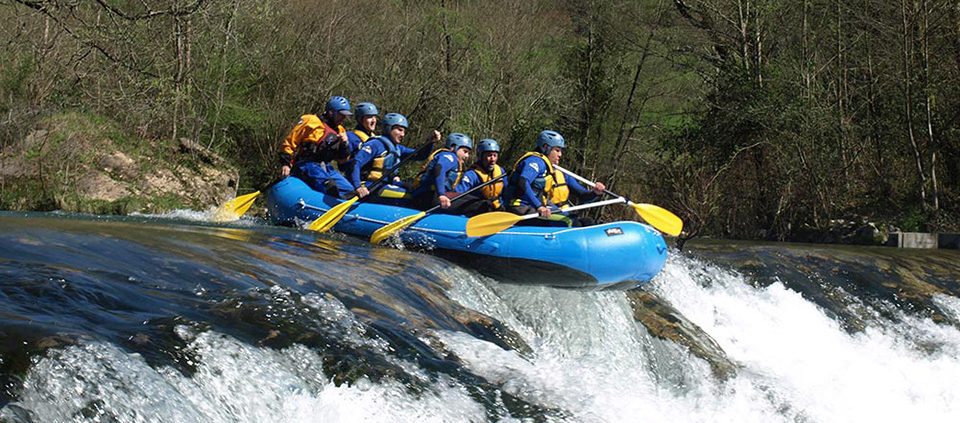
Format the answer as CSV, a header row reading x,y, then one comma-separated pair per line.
x,y
168,319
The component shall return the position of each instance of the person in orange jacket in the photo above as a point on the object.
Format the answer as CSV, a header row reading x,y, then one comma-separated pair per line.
x,y
311,147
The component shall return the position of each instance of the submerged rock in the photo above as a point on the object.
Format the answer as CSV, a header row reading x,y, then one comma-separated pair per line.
x,y
841,279
665,322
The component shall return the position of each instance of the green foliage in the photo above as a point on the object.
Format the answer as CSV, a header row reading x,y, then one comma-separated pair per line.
x,y
15,75
915,220
25,195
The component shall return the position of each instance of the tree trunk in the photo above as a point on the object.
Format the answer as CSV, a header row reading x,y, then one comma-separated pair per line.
x,y
447,39
879,166
841,106
743,23
908,102
955,17
623,136
586,113
621,142
928,104
221,86
178,35
758,35
807,70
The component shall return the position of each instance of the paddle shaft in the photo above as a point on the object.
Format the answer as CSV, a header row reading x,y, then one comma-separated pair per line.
x,y
385,178
402,223
389,173
658,217
329,218
255,194
575,208
493,222
469,191
588,182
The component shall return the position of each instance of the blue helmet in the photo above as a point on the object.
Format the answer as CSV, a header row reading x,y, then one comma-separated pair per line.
x,y
486,145
366,109
338,104
551,139
457,140
393,119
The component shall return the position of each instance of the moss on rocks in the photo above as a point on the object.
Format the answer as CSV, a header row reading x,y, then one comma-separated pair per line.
x,y
82,162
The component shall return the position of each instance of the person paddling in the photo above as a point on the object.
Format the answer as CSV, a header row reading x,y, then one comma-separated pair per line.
x,y
382,152
484,169
437,181
535,186
313,144
368,118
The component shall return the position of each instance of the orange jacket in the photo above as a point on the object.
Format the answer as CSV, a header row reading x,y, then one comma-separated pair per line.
x,y
310,128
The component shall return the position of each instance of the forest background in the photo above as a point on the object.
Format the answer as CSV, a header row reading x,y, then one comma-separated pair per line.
x,y
757,119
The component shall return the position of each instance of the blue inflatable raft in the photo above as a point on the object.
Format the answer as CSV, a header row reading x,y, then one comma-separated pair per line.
x,y
617,255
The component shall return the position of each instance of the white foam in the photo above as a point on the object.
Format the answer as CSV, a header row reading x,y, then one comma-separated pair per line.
x,y
199,216
233,382
593,361
949,305
798,364
804,356
588,360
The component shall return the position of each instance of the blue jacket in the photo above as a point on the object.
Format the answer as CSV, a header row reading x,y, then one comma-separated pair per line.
x,y
377,146
527,182
441,175
353,142
471,179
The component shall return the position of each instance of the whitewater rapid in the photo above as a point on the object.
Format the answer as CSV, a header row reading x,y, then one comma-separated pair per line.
x,y
588,361
796,362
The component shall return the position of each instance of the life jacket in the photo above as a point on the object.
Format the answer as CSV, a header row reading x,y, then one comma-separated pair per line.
x,y
313,140
373,170
492,191
357,138
551,186
363,135
452,178
561,192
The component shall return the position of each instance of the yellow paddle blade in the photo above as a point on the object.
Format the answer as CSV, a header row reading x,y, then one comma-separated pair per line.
x,y
396,226
233,209
326,221
491,223
660,218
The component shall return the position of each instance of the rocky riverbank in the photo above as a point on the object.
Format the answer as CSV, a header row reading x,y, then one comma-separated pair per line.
x,y
81,162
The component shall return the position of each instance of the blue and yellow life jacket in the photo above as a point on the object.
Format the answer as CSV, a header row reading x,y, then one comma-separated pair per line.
x,y
363,135
373,170
551,186
452,178
490,192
